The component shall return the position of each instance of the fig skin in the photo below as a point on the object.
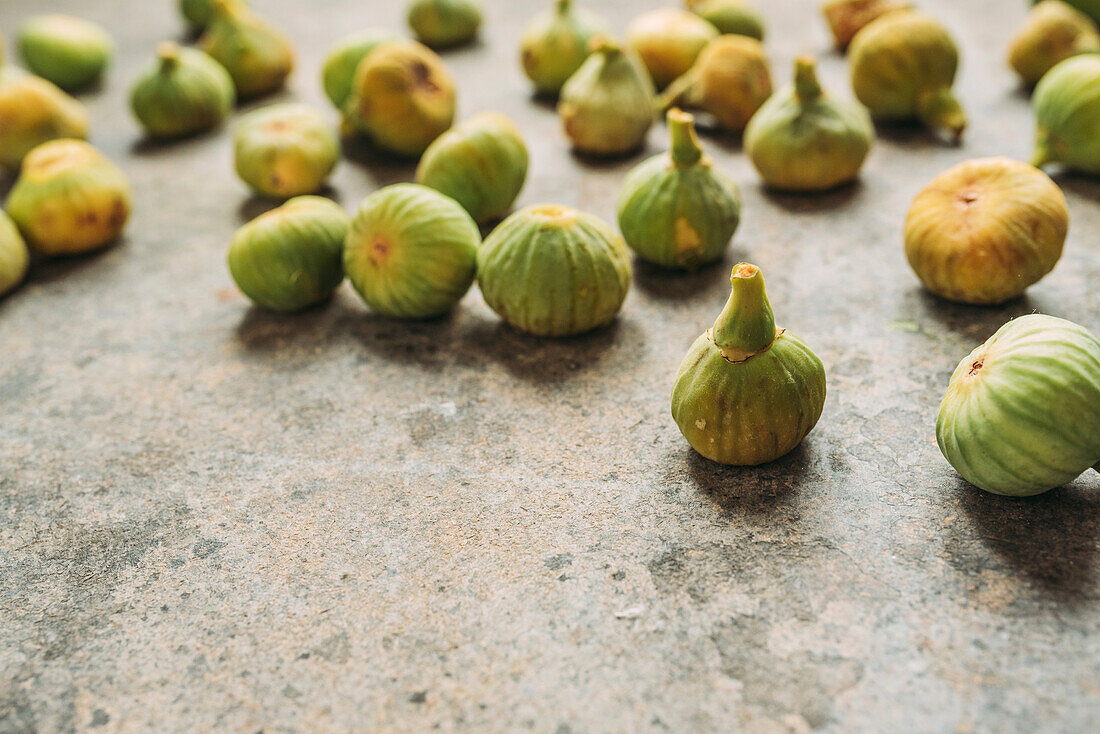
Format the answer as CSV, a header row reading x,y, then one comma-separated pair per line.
x,y
846,18
184,93
606,108
1090,8
803,139
69,199
285,150
481,164
1067,112
730,81
411,252
1022,413
676,210
553,271
729,17
258,56
556,43
441,24
747,393
903,66
70,52
291,257
985,230
14,257
1053,32
34,111
403,98
668,40
338,72
198,13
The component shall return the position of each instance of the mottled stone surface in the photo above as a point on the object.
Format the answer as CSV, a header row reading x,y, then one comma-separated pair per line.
x,y
212,518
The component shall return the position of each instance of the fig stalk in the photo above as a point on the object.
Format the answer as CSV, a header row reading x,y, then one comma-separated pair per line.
x,y
939,109
806,84
685,148
746,326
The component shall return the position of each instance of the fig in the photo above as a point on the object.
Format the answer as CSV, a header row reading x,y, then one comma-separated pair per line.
x,y
1090,8
444,23
258,56
1067,110
338,72
554,271
606,108
33,111
985,230
197,13
14,258
846,18
668,40
556,43
734,17
403,97
1053,32
803,139
747,393
730,81
481,164
70,52
184,93
677,210
411,252
1022,413
903,65
285,150
291,257
69,199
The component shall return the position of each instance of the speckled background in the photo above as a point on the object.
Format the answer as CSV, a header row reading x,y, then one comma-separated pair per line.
x,y
213,518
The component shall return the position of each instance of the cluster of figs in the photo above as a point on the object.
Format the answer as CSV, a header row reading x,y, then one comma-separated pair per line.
x,y
1022,413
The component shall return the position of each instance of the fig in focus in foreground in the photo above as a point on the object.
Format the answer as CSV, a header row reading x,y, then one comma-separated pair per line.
x,y
677,210
747,393
846,18
803,139
14,258
69,199
1067,114
258,56
70,52
34,111
553,271
291,257
411,252
1053,32
444,23
285,150
730,17
184,93
1022,413
338,71
668,40
985,230
556,43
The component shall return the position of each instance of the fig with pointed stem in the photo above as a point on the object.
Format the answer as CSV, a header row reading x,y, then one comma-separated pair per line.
x,y
258,56
556,43
184,93
668,40
1053,32
33,112
730,81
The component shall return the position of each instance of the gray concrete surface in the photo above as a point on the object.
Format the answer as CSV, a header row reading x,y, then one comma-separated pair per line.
x,y
216,519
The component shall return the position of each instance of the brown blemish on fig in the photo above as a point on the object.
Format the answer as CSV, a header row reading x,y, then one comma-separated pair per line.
x,y
422,76
976,366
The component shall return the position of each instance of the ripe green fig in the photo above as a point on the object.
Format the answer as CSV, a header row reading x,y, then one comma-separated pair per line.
x,y
556,43
747,393
730,81
1052,33
803,139
1022,413
846,18
291,257
444,23
338,72
668,40
14,258
33,112
1067,110
553,271
677,210
734,17
184,93
70,52
481,164
411,252
258,56
285,150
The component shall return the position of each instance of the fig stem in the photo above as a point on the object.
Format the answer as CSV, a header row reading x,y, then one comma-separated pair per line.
x,y
685,149
746,326
940,110
605,46
675,92
1042,154
563,6
806,84
169,54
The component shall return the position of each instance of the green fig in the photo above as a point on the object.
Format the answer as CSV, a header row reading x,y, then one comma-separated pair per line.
x,y
285,150
338,72
184,93
69,199
730,81
481,164
258,56
444,23
411,252
553,271
668,40
33,111
291,257
1052,33
1022,413
556,43
677,210
803,139
734,17
1067,110
70,52
14,258
607,106
846,18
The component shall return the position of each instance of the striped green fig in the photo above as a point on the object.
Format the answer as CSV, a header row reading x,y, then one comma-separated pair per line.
x,y
184,93
729,81
668,40
34,111
285,150
338,72
1067,112
258,56
556,43
1022,413
14,257
444,23
1053,32
70,52
734,17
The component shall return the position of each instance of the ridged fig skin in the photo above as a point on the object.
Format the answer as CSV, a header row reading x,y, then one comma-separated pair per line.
x,y
556,43
735,17
1067,113
258,56
184,93
338,71
34,111
70,52
846,18
985,230
1022,413
14,257
284,150
69,199
553,271
411,252
481,164
668,40
730,81
291,257
443,24
1052,33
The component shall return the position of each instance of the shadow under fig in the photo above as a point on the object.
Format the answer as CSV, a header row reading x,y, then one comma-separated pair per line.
x,y
752,490
1078,184
687,286
58,267
150,146
256,204
812,202
970,320
263,330
383,166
